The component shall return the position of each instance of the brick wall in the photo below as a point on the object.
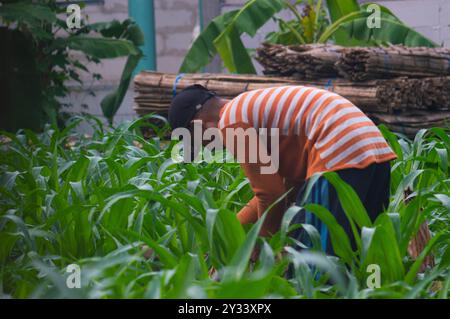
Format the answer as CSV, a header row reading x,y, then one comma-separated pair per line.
x,y
176,25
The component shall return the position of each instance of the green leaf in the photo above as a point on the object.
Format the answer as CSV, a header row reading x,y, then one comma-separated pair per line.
x,y
339,239
236,268
392,32
202,50
253,15
102,48
31,13
234,54
323,263
366,241
349,199
111,102
337,10
286,221
351,27
383,250
8,180
126,29
392,139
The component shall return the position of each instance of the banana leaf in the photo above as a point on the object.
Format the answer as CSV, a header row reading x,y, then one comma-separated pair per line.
x,y
202,50
338,9
111,102
383,10
249,19
234,54
391,32
130,31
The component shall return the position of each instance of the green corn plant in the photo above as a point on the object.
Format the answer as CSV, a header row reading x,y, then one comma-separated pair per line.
x,y
140,225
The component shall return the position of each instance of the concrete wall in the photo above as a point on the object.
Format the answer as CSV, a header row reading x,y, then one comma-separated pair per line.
x,y
177,24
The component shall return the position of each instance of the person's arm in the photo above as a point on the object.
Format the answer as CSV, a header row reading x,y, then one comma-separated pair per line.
x,y
249,213
267,188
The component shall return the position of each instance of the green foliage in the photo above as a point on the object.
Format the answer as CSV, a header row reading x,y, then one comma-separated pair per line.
x,y
40,46
97,200
354,30
222,35
309,23
253,15
348,27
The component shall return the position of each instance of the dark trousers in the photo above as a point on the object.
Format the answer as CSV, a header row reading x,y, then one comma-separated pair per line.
x,y
372,186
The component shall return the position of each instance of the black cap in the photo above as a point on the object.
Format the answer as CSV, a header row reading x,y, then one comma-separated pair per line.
x,y
186,104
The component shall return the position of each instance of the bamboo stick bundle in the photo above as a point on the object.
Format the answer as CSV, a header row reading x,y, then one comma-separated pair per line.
x,y
155,90
436,93
310,61
361,63
411,122
377,98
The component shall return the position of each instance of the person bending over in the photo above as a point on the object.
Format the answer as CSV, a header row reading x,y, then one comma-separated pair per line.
x,y
317,131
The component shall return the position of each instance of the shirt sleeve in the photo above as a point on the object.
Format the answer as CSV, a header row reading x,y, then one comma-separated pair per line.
x,y
268,188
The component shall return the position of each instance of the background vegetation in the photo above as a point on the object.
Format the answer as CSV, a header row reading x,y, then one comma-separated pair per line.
x,y
346,26
37,61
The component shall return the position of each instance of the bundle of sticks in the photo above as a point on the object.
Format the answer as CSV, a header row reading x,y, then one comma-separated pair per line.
x,y
410,123
156,90
359,64
311,61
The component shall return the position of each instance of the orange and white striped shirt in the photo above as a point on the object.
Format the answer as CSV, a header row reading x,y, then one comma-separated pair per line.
x,y
319,131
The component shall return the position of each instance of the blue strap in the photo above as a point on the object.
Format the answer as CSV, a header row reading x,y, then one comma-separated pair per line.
x,y
319,195
323,226
448,66
329,84
174,88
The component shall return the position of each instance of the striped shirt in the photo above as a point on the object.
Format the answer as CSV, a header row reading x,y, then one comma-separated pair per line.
x,y
319,131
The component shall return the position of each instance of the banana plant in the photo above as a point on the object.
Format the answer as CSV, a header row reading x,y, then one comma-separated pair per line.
x,y
347,27
352,29
307,26
223,34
